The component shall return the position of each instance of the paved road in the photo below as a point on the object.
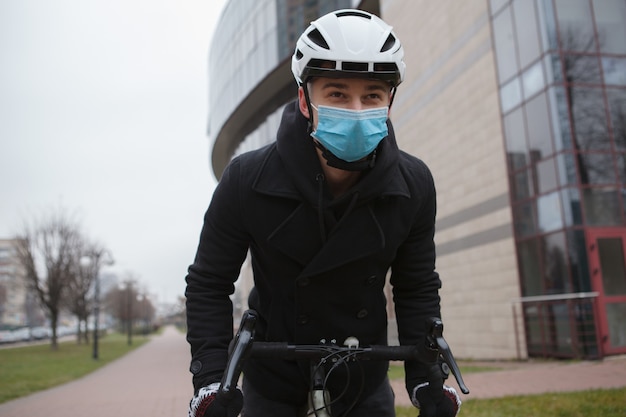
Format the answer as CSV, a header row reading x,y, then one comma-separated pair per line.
x,y
537,377
153,381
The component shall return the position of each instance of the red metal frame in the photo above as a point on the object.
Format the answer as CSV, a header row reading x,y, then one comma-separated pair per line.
x,y
596,281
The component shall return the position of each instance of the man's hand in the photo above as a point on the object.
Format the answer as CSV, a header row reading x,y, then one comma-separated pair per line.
x,y
436,404
206,404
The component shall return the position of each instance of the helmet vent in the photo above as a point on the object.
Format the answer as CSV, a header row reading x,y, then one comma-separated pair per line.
x,y
354,66
385,67
299,54
389,43
318,39
353,13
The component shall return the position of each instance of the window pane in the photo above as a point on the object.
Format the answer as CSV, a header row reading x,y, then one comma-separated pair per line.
x,y
582,69
560,118
590,119
578,261
616,317
510,95
539,128
602,207
566,166
620,161
530,272
596,168
522,186
614,70
515,132
546,175
617,112
553,70
555,266
532,80
505,45
547,25
575,26
611,21
549,215
526,30
570,199
612,265
524,219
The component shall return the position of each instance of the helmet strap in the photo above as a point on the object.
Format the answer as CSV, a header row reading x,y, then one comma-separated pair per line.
x,y
331,160
305,88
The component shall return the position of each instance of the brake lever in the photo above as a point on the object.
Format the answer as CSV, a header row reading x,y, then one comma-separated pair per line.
x,y
238,351
435,341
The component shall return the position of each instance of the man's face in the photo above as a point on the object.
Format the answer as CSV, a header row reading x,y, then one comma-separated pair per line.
x,y
345,93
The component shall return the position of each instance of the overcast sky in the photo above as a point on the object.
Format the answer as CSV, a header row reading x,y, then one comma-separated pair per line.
x,y
103,111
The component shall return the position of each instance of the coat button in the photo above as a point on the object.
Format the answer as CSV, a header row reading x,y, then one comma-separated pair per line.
x,y
303,282
362,314
303,319
196,367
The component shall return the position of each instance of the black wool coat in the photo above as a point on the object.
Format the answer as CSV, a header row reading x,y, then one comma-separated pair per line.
x,y
319,263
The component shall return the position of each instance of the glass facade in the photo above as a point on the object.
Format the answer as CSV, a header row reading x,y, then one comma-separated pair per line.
x,y
253,38
244,50
561,72
561,75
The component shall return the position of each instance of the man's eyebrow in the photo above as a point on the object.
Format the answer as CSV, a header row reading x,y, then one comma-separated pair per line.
x,y
335,84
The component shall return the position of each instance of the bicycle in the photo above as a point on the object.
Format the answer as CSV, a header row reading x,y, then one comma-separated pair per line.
x,y
435,352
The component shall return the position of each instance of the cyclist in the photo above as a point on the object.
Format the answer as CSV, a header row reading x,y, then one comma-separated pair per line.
x,y
325,212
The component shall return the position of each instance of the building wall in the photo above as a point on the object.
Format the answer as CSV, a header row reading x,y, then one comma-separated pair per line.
x,y
447,114
13,294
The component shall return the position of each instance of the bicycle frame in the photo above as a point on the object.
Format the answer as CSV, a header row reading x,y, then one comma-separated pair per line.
x,y
435,353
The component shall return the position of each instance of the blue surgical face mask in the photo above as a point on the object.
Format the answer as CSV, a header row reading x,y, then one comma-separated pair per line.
x,y
350,134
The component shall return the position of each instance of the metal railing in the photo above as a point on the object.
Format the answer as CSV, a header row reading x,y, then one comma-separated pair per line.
x,y
558,326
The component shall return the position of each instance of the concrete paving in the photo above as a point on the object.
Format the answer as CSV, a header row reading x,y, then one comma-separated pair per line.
x,y
154,381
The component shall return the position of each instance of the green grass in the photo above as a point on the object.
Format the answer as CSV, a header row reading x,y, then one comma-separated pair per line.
x,y
593,403
25,370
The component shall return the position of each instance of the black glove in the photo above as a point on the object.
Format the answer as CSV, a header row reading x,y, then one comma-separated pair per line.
x,y
206,404
436,404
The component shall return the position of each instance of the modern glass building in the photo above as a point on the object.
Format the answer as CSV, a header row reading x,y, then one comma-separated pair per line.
x,y
519,109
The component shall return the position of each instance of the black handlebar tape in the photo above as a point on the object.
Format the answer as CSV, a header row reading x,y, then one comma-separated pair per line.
x,y
279,350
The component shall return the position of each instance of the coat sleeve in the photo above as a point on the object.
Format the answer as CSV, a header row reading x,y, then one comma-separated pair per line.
x,y
415,283
210,280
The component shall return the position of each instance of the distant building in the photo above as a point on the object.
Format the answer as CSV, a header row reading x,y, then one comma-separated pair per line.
x,y
17,306
519,109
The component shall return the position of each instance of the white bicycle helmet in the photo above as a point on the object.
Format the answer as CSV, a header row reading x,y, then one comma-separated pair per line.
x,y
349,42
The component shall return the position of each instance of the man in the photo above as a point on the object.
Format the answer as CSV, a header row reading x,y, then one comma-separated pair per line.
x,y
325,211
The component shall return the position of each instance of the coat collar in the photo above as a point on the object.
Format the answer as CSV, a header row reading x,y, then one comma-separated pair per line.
x,y
297,154
291,170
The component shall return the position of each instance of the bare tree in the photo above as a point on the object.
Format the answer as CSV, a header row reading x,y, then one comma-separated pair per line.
x,y
48,252
80,294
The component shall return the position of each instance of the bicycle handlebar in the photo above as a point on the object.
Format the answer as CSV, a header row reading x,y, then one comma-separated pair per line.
x,y
279,350
243,346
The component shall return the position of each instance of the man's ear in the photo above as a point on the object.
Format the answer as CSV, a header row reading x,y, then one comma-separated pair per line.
x,y
304,109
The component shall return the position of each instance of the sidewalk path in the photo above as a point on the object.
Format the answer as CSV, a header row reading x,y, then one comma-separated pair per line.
x,y
153,380
535,377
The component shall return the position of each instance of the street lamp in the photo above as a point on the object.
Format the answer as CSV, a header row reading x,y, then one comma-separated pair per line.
x,y
95,260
